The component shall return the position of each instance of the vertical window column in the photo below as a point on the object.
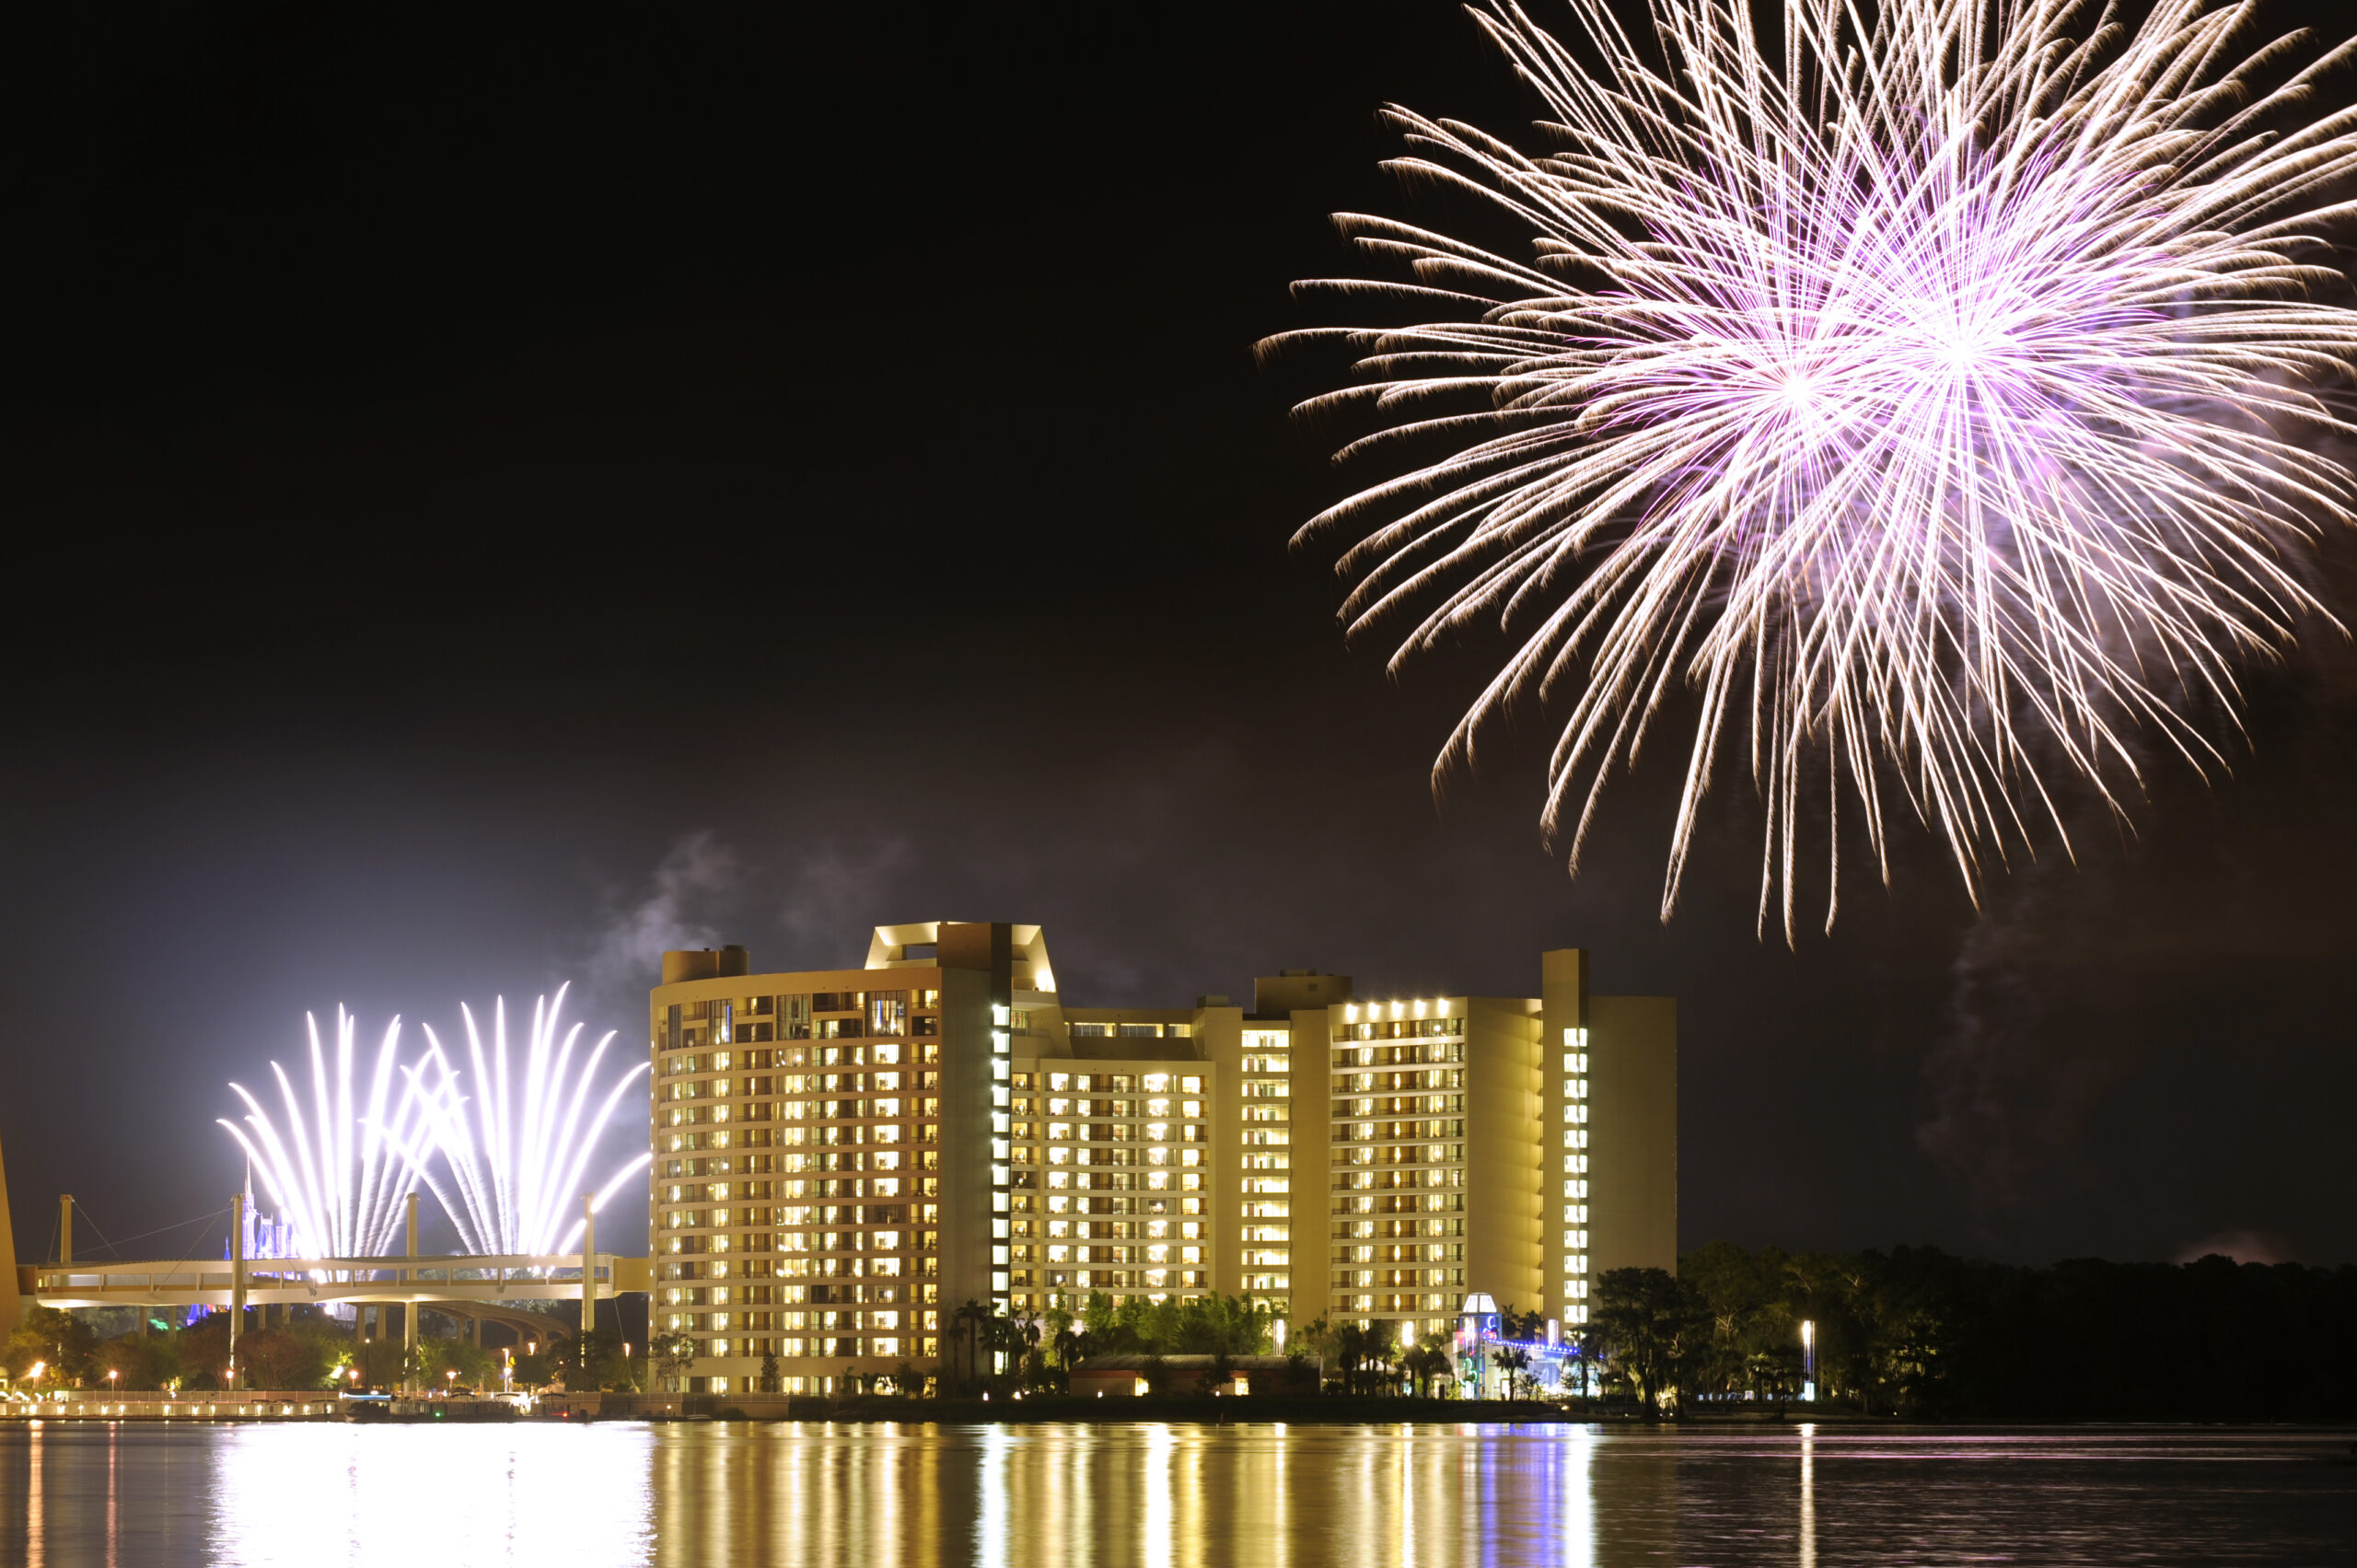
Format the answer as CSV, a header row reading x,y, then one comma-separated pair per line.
x,y
1001,1148
1574,1227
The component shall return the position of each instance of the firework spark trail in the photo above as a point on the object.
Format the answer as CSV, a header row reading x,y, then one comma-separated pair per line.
x,y
335,1175
517,1152
1927,401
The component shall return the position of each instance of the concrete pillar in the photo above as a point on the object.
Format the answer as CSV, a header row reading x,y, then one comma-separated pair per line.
x,y
588,1266
409,1307
65,1227
237,1279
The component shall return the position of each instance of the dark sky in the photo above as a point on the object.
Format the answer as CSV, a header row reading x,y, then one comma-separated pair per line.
x,y
497,495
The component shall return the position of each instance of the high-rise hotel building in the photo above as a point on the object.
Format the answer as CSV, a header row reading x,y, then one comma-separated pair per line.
x,y
842,1159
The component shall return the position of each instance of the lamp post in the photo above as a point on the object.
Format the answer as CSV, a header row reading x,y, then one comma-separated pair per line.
x,y
1809,1360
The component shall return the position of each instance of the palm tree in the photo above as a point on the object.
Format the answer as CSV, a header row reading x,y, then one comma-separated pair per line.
x,y
1382,1350
1515,1363
1350,1351
1427,1363
970,1317
1012,1337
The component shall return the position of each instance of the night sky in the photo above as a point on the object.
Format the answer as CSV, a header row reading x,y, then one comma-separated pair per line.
x,y
496,495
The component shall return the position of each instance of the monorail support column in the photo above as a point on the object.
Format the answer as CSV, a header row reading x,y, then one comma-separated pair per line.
x,y
588,1274
409,1308
237,1278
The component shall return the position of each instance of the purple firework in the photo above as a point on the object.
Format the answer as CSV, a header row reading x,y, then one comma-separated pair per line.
x,y
1932,391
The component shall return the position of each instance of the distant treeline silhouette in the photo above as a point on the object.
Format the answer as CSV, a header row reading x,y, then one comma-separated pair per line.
x,y
1919,1333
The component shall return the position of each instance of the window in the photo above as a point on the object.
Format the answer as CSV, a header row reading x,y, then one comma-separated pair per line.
x,y
887,1012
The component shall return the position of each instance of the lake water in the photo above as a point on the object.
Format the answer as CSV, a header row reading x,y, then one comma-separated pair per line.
x,y
1170,1496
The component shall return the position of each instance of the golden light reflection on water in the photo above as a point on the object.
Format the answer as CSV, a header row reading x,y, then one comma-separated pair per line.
x,y
36,1500
1153,1495
1147,1496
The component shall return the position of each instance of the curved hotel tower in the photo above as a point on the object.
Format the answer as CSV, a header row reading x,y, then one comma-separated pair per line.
x,y
843,1158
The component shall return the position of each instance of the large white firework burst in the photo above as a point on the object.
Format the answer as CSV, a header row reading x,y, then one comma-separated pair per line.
x,y
1932,389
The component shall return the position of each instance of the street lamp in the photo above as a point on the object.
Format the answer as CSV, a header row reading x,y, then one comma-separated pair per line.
x,y
1808,1359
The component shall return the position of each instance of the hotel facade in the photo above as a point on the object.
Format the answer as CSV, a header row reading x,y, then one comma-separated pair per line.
x,y
843,1158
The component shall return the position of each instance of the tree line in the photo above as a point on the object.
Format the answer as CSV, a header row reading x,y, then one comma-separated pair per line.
x,y
309,1350
1914,1333
1920,1333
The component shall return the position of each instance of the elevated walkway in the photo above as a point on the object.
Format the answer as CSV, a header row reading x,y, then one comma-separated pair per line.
x,y
487,1280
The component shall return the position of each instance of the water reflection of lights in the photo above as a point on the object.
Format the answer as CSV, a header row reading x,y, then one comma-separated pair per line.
x,y
1407,1484
989,1519
825,1495
305,1495
1575,1491
114,1494
36,1519
1808,1494
1161,1446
